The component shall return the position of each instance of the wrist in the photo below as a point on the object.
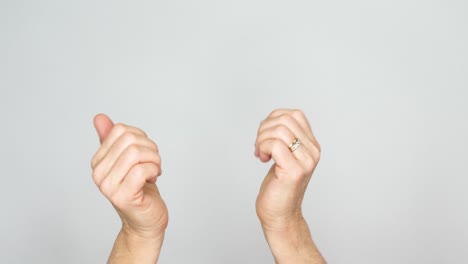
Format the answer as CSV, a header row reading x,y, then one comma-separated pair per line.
x,y
292,243
284,223
132,247
142,235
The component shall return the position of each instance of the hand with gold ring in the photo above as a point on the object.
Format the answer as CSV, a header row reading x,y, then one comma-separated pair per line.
x,y
286,137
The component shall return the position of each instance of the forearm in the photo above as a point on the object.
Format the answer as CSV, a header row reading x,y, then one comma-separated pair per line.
x,y
293,244
130,248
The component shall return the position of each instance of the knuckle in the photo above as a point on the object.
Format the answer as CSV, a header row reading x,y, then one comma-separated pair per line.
x,y
316,152
106,188
319,148
310,163
278,112
285,119
129,137
259,131
261,146
298,113
276,144
133,152
157,159
317,156
275,112
142,132
95,177
138,170
154,146
93,162
261,126
120,127
258,139
97,173
282,130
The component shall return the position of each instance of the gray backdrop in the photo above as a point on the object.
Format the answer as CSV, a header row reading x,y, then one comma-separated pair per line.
x,y
384,84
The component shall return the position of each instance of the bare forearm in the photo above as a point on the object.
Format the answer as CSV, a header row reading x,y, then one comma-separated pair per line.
x,y
293,245
129,248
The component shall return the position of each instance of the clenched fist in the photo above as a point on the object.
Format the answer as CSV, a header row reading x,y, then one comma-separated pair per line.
x,y
125,169
286,137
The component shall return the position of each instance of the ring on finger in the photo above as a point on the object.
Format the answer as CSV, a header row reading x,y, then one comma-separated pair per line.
x,y
295,144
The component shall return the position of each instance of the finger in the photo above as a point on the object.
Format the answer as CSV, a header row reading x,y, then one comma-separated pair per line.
x,y
103,125
300,117
278,151
116,132
126,140
282,133
287,121
132,156
297,113
139,175
308,147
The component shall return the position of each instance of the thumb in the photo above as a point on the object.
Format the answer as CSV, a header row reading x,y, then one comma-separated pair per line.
x,y
103,125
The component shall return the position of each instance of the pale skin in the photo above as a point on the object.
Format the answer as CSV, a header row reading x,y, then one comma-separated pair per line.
x,y
127,165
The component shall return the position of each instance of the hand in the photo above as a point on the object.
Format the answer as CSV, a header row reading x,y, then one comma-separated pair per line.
x,y
280,198
279,202
125,169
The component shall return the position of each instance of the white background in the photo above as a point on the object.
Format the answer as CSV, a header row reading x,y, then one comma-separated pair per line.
x,y
384,84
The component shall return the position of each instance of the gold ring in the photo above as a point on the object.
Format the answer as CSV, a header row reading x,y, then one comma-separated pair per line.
x,y
296,143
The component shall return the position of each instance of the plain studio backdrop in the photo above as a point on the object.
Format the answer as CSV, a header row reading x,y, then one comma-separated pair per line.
x,y
383,83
